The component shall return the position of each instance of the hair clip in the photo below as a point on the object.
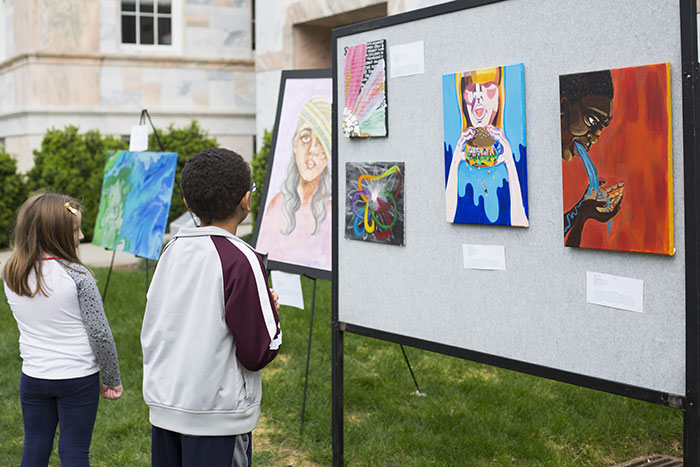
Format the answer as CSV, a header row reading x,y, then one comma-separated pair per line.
x,y
71,209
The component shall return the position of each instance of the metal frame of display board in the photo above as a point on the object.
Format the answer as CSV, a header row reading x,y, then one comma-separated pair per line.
x,y
691,110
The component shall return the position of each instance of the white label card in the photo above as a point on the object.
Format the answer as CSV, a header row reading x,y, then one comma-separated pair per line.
x,y
288,287
615,291
484,257
139,138
406,59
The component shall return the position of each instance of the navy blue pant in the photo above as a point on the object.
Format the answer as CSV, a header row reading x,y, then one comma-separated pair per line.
x,y
69,403
171,449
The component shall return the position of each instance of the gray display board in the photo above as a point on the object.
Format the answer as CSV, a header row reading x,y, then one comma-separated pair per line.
x,y
536,310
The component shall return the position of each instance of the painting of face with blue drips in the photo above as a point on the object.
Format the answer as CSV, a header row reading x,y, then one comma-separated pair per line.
x,y
586,110
484,128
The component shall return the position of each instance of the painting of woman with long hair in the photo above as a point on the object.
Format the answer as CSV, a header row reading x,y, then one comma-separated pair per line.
x,y
296,221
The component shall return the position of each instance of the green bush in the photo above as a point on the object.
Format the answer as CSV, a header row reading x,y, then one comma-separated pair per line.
x,y
259,167
13,191
73,164
186,142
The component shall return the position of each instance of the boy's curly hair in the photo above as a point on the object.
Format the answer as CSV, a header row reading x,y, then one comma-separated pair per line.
x,y
214,181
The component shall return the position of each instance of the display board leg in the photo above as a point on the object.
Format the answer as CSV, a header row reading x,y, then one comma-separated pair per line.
x,y
337,394
691,154
418,392
109,274
691,436
691,407
308,357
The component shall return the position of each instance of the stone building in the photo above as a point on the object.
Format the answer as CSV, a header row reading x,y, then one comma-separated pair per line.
x,y
97,63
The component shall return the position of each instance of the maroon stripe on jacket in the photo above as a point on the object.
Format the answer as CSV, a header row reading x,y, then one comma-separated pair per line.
x,y
244,315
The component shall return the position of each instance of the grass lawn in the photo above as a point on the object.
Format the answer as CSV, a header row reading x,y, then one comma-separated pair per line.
x,y
472,415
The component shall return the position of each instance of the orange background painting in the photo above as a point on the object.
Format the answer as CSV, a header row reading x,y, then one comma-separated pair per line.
x,y
635,149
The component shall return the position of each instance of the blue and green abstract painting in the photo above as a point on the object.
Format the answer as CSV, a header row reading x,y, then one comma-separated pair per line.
x,y
135,201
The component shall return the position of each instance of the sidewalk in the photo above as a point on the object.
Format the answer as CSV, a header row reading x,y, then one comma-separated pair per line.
x,y
93,256
99,257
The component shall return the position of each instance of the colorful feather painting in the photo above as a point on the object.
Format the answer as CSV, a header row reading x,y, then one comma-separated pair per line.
x,y
617,159
364,115
374,202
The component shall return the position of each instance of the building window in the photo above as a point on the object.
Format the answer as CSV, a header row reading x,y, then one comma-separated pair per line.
x,y
147,22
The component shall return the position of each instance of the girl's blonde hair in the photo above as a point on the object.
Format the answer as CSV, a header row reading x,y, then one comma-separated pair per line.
x,y
45,226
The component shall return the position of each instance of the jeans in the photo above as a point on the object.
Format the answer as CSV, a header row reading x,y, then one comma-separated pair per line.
x,y
70,403
171,449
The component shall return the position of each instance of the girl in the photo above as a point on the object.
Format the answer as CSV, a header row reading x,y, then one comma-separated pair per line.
x,y
63,331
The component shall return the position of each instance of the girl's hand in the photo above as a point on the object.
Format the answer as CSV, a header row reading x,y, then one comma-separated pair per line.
x,y
275,298
469,133
496,133
507,154
112,392
461,148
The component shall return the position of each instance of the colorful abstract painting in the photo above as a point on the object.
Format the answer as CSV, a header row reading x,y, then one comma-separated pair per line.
x,y
616,159
135,201
484,146
374,202
294,223
365,109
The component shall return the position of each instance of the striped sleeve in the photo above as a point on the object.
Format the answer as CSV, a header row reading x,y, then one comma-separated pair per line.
x,y
250,310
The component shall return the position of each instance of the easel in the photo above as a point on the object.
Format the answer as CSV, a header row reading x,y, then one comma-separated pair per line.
x,y
109,274
308,357
144,115
308,353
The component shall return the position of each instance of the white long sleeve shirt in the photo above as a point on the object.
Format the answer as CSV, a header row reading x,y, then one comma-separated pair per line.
x,y
65,334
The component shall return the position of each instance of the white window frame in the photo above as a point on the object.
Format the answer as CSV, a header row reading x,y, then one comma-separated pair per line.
x,y
155,49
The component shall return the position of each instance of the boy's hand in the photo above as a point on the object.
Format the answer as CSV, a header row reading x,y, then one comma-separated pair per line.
x,y
112,392
276,298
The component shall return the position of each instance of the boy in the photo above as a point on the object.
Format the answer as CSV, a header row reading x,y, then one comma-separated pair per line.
x,y
210,325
